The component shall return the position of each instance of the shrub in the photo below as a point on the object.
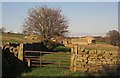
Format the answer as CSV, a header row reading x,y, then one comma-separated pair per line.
x,y
50,45
62,48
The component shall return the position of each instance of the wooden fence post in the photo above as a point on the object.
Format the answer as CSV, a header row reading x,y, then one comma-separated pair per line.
x,y
73,58
29,63
20,52
59,61
40,60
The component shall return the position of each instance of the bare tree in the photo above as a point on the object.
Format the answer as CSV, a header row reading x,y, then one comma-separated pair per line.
x,y
114,37
2,29
45,21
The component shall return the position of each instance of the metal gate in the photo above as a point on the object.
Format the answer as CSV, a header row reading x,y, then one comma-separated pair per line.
x,y
47,59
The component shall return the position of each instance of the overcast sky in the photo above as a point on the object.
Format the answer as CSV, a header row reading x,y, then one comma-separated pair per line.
x,y
85,18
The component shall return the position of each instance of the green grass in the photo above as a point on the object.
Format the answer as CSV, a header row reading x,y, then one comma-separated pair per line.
x,y
13,35
62,48
47,71
51,70
101,42
104,46
15,38
64,58
106,49
11,40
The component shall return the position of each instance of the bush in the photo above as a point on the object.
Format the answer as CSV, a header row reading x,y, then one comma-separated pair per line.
x,y
62,48
50,45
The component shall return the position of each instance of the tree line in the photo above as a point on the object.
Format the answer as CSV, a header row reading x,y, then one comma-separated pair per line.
x,y
112,37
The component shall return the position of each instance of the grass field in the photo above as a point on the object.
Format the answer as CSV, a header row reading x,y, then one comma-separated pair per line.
x,y
47,71
19,38
53,69
15,38
13,35
101,47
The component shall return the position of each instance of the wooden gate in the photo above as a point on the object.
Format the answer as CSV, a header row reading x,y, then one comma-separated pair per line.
x,y
47,59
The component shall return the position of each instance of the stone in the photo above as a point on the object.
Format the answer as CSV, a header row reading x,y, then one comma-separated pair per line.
x,y
99,52
104,62
86,55
100,57
96,51
94,55
91,62
114,52
89,59
84,60
79,66
79,55
87,66
102,51
83,69
81,63
109,62
82,49
79,49
79,60
87,51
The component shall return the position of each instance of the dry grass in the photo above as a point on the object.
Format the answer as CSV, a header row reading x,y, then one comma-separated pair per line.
x,y
101,46
17,38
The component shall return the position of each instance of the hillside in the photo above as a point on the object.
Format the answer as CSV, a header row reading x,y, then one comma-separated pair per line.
x,y
16,38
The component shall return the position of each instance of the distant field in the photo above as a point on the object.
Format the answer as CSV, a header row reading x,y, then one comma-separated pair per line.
x,y
13,35
100,42
101,47
16,38
19,38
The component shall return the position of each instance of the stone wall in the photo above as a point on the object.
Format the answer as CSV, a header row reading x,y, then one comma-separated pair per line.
x,y
79,41
18,49
99,62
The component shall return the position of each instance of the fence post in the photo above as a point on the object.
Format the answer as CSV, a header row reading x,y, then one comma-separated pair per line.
x,y
75,59
59,61
29,64
20,52
40,59
72,59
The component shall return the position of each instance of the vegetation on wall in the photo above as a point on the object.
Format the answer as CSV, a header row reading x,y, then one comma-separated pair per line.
x,y
62,48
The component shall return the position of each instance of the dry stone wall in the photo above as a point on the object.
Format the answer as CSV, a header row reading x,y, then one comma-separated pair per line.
x,y
95,61
18,49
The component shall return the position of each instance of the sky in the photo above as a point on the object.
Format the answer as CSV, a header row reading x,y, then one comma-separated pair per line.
x,y
85,18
